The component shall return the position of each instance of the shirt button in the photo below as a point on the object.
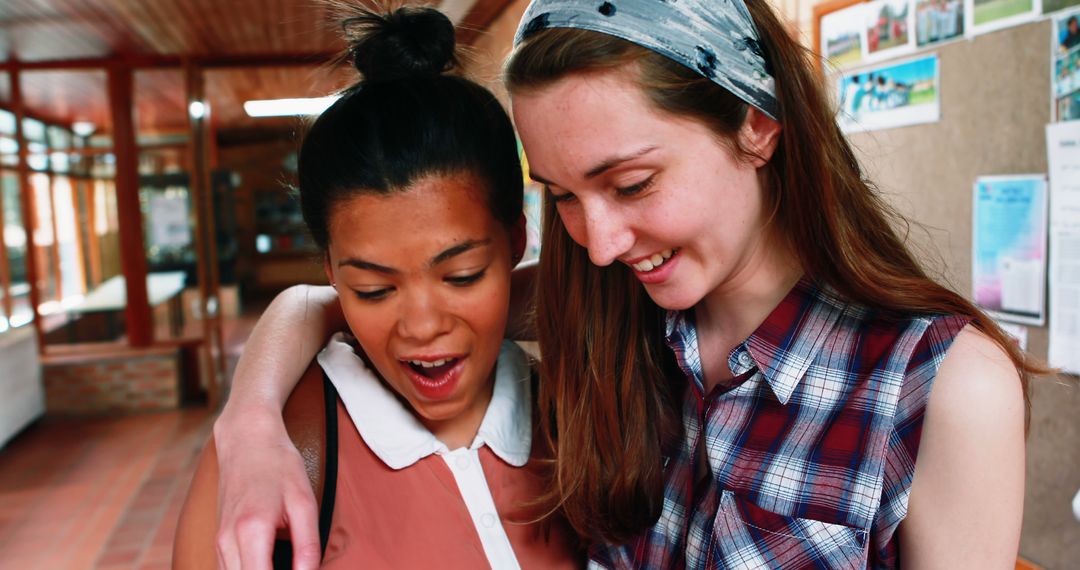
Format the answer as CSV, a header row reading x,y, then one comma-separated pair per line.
x,y
488,520
463,462
744,359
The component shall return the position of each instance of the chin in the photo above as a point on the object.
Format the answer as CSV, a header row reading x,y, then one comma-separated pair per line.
x,y
672,300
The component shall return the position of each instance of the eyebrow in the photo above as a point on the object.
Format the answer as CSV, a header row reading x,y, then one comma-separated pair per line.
x,y
440,258
603,167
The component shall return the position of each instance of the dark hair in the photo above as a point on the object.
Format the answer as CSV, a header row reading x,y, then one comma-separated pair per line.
x,y
406,119
606,403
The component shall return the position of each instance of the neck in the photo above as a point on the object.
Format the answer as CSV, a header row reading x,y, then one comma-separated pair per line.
x,y
735,309
460,430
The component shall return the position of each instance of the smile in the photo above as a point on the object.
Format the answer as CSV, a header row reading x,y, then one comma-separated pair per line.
x,y
654,262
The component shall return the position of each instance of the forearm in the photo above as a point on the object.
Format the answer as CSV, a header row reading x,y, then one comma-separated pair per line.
x,y
286,338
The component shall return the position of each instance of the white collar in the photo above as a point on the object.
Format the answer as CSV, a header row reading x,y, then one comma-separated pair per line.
x,y
395,435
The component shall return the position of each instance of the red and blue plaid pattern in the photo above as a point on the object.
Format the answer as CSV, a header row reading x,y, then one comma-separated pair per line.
x,y
810,454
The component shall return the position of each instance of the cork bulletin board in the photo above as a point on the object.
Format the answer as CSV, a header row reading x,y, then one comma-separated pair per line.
x,y
994,106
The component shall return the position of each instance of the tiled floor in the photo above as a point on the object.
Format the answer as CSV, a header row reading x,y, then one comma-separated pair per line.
x,y
97,493
103,493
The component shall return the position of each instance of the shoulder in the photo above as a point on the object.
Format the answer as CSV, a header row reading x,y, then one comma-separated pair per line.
x,y
305,421
972,450
976,384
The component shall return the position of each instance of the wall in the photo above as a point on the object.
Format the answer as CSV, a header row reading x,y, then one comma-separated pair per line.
x,y
114,379
22,397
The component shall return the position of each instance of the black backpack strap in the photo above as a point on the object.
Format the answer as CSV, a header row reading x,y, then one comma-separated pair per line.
x,y
283,552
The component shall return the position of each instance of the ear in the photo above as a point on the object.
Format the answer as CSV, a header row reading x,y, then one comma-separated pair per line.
x,y
329,269
760,135
518,239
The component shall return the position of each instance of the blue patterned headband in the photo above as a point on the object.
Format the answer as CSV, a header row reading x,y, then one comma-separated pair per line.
x,y
717,38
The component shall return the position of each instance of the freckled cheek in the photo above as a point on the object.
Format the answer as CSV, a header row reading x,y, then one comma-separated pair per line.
x,y
574,222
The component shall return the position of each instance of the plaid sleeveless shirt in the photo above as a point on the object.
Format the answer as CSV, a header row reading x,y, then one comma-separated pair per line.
x,y
811,456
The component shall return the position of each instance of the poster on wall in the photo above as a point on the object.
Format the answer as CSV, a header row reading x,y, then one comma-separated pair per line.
x,y
1065,58
843,36
887,96
938,21
888,27
1009,247
168,220
1063,158
990,15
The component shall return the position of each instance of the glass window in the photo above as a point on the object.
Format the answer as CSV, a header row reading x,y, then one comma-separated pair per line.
x,y
72,284
7,122
37,158
34,130
9,151
15,242
59,138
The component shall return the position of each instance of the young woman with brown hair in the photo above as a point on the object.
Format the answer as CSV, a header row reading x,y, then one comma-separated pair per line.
x,y
738,349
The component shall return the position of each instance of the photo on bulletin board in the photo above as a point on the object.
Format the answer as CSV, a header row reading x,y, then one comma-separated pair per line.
x,y
843,36
1009,247
887,96
1065,54
938,21
985,16
1051,6
888,28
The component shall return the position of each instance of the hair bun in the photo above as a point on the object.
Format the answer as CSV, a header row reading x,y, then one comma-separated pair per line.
x,y
406,42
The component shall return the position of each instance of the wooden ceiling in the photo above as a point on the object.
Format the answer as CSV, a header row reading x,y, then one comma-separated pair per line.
x,y
249,49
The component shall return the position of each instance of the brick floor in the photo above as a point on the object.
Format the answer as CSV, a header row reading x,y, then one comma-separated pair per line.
x,y
97,493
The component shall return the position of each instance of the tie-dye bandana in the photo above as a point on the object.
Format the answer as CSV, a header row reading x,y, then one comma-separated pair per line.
x,y
716,38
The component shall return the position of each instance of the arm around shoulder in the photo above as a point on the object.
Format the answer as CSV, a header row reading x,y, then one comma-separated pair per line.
x,y
967,497
196,531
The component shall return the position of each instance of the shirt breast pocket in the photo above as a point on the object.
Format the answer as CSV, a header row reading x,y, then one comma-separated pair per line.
x,y
747,536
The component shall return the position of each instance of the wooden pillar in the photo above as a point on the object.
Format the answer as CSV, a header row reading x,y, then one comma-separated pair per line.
x,y
93,245
199,147
58,269
132,250
29,211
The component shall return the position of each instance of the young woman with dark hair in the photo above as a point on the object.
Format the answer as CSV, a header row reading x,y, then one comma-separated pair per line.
x,y
743,365
417,431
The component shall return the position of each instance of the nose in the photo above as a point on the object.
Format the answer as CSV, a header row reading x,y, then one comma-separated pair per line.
x,y
607,233
423,316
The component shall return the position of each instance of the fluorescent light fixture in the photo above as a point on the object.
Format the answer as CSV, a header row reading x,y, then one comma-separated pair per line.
x,y
288,107
83,128
197,109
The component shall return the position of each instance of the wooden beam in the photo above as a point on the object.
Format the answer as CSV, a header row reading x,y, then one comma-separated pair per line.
x,y
205,236
29,210
167,61
132,249
58,270
478,19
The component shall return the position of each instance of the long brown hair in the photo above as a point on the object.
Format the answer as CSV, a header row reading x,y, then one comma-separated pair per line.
x,y
605,400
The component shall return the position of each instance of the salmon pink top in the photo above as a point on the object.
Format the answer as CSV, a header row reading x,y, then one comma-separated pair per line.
x,y
405,500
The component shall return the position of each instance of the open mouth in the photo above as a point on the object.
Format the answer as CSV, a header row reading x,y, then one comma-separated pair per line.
x,y
656,261
433,370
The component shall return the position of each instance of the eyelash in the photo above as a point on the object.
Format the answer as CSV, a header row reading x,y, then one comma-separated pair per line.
x,y
371,295
637,188
464,280
379,294
624,191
